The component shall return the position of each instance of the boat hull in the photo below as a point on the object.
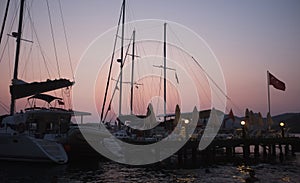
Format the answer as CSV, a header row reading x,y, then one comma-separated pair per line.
x,y
21,147
78,145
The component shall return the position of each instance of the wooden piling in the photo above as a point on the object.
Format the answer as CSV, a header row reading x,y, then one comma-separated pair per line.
x,y
286,148
264,151
190,154
280,153
273,150
179,157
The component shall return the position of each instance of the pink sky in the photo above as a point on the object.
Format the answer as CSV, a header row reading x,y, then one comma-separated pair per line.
x,y
248,39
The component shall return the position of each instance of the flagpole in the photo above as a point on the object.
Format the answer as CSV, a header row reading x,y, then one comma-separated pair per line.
x,y
268,82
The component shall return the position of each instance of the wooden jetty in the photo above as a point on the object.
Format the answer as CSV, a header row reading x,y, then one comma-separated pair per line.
x,y
226,149
219,150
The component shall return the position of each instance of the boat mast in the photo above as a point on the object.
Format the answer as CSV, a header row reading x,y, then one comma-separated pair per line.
x,y
165,70
132,71
4,20
12,105
121,60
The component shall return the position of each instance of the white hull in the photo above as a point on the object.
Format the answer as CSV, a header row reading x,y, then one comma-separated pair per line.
x,y
91,132
21,147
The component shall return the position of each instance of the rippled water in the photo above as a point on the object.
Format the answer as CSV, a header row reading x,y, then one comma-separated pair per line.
x,y
99,171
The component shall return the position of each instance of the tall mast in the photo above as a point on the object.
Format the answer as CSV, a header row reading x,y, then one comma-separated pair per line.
x,y
165,70
121,60
12,105
132,71
4,20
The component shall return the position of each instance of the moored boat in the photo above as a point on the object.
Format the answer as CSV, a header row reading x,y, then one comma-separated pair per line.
x,y
34,134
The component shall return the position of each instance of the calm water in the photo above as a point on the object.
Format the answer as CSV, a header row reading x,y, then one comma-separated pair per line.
x,y
95,171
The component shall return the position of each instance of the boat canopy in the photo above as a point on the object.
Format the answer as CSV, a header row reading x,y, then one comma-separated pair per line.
x,y
21,89
45,97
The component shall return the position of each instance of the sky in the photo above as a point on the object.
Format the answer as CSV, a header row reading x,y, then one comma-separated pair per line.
x,y
247,37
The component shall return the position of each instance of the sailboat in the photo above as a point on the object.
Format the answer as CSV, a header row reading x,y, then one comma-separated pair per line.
x,y
33,134
142,124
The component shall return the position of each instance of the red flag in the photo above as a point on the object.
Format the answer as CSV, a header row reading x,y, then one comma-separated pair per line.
x,y
276,82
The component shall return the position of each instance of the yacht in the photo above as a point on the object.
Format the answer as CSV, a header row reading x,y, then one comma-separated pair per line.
x,y
33,134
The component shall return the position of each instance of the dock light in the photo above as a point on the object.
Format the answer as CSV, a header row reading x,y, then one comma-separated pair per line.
x,y
186,121
243,123
281,124
243,127
185,127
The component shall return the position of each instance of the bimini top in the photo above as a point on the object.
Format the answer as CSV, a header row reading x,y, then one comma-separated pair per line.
x,y
45,97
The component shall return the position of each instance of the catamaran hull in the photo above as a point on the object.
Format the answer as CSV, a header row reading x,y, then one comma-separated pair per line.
x,y
25,148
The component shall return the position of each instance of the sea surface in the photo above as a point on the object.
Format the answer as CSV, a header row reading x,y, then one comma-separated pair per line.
x,y
106,171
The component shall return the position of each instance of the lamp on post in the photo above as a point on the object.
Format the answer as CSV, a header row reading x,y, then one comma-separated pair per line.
x,y
186,122
243,128
281,124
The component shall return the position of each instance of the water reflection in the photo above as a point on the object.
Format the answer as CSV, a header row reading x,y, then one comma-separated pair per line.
x,y
100,171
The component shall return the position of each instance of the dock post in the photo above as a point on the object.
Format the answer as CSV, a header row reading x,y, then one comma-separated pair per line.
x,y
273,150
194,154
229,152
206,156
179,157
233,151
286,148
214,154
269,150
293,150
264,151
256,150
194,157
246,151
281,153
185,152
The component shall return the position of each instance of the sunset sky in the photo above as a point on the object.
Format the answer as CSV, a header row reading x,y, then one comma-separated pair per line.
x,y
247,37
